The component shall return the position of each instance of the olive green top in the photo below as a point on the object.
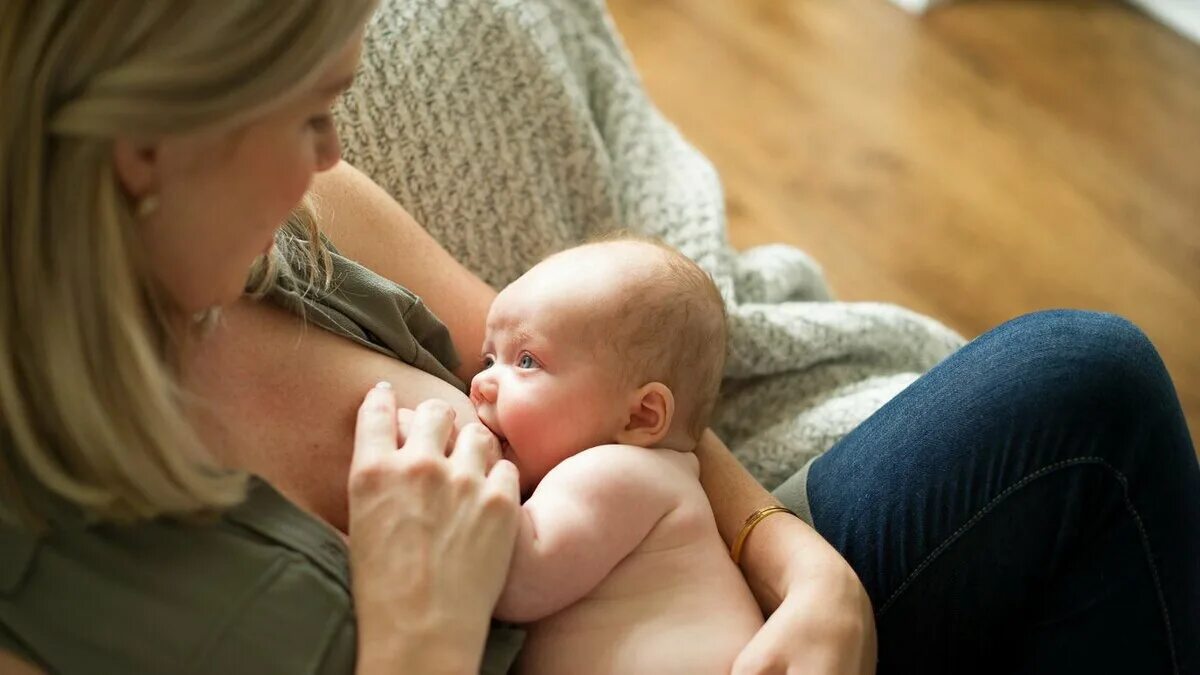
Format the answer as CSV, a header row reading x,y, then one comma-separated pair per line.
x,y
263,589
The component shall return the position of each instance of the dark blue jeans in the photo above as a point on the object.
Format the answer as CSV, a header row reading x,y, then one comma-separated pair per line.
x,y
1032,505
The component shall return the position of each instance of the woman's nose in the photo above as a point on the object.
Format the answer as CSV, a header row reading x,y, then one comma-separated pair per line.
x,y
483,388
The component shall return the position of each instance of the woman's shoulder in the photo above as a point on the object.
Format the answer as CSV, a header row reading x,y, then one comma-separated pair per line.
x,y
254,591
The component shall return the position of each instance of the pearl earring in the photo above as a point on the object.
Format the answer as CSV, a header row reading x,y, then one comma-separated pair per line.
x,y
146,206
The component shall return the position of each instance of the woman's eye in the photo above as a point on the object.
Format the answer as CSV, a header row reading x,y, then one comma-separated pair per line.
x,y
488,362
320,122
526,361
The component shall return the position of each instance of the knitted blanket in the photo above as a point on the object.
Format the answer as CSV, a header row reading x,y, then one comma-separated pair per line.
x,y
514,128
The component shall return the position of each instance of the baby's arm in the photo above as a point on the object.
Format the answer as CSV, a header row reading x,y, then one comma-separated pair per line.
x,y
587,514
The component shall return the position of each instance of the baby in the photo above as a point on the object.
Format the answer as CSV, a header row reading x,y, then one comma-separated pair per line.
x,y
602,365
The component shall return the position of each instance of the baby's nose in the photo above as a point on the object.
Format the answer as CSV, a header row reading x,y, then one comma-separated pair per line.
x,y
483,389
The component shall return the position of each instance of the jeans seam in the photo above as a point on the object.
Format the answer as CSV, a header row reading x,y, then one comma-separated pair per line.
x,y
987,508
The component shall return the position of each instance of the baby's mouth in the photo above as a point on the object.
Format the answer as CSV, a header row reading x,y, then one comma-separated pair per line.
x,y
505,448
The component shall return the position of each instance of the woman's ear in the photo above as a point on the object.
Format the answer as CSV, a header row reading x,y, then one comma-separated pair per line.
x,y
136,165
651,409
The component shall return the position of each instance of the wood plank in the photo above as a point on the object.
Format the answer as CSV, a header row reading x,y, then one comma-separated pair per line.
x,y
991,159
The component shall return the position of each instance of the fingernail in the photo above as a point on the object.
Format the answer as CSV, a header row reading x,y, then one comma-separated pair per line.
x,y
383,384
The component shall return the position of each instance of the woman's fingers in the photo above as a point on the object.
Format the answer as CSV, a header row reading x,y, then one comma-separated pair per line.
x,y
475,449
504,480
404,417
431,427
375,430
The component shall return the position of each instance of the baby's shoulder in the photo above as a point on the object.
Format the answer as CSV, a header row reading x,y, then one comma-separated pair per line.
x,y
631,467
636,457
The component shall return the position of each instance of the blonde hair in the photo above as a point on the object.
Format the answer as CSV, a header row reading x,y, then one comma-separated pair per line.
x,y
89,396
676,334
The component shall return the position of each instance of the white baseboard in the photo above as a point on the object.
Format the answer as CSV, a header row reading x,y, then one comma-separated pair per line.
x,y
1182,15
918,6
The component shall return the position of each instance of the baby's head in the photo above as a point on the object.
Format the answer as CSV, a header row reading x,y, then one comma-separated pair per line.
x,y
620,341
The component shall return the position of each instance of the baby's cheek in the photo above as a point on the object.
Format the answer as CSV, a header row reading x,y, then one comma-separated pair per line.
x,y
524,420
543,431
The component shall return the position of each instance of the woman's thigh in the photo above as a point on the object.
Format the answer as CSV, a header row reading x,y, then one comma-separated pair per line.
x,y
1031,504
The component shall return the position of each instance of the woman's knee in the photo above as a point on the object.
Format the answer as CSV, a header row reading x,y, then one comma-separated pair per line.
x,y
1096,363
1087,329
1100,364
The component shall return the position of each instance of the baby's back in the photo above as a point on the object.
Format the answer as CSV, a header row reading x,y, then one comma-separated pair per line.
x,y
676,604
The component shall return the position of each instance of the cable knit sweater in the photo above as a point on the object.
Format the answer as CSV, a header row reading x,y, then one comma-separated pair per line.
x,y
514,128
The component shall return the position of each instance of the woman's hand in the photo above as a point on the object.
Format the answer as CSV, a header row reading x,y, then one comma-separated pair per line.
x,y
825,625
431,537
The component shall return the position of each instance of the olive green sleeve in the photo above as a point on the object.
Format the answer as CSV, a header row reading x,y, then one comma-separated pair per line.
x,y
9,643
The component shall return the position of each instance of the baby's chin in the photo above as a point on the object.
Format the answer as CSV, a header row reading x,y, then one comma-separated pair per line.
x,y
527,482
506,451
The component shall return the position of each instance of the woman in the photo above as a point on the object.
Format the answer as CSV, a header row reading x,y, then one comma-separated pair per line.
x,y
178,189
158,151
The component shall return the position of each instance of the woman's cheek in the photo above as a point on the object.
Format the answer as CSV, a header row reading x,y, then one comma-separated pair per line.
x,y
285,169
293,188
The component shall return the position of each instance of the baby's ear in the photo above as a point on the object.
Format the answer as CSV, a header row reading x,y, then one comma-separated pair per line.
x,y
651,409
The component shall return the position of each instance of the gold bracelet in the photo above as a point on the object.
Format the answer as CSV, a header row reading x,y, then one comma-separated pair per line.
x,y
755,518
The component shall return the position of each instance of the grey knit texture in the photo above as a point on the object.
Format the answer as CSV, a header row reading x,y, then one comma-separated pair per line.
x,y
515,128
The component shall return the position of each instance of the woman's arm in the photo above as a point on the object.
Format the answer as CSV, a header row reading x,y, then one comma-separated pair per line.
x,y
368,226
767,556
821,619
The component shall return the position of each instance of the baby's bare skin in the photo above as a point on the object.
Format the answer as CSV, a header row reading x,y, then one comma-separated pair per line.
x,y
673,601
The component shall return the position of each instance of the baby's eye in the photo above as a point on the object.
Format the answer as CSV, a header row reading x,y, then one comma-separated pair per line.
x,y
526,361
488,362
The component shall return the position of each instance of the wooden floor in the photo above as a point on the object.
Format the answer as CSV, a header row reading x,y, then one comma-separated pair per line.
x,y
993,158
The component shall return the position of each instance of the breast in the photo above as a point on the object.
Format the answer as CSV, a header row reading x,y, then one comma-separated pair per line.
x,y
277,397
